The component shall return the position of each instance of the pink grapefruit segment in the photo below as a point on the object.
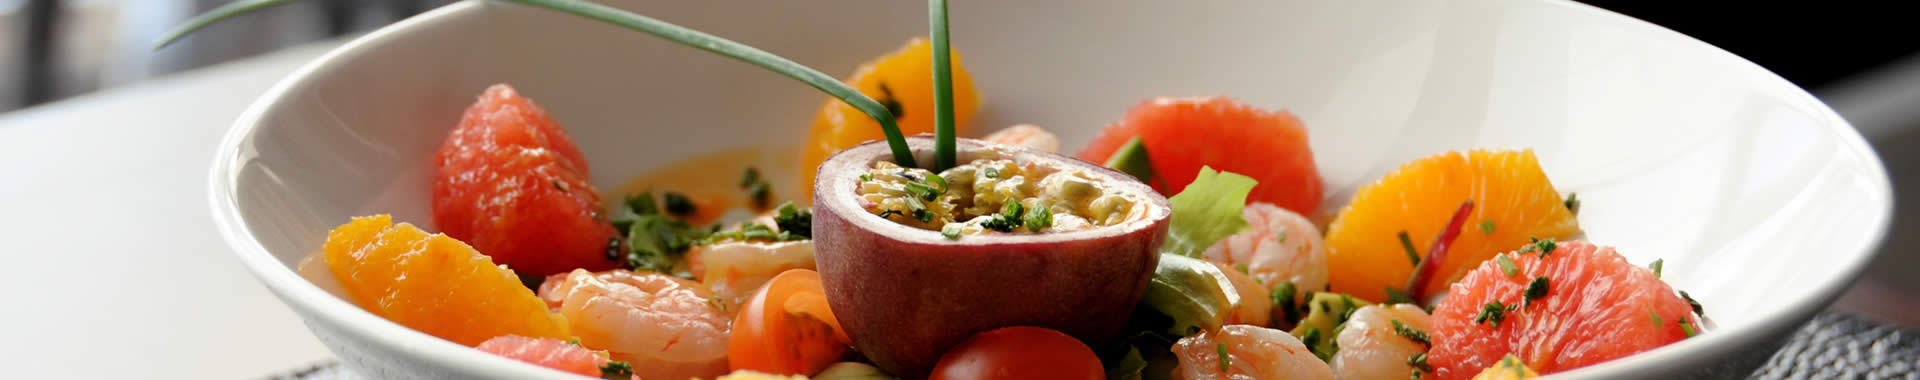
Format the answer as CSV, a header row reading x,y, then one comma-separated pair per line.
x,y
1596,307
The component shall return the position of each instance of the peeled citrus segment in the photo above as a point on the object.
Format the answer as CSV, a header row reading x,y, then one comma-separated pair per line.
x,y
903,78
1594,306
434,283
1183,134
1513,202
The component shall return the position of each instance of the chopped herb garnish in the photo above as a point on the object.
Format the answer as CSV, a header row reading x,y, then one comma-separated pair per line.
x,y
1419,361
616,370
1486,226
574,341
613,248
1225,362
678,204
1009,218
1040,219
1413,255
1412,334
990,172
1506,264
1283,299
559,186
761,193
1573,203
1415,375
642,204
1694,304
1657,263
1536,289
794,220
886,213
1687,328
716,303
1395,295
751,177
1491,313
1283,236
951,231
1544,247
923,215
1655,316
866,177
1242,267
1311,338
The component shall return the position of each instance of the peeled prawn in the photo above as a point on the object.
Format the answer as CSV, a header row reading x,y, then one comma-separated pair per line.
x,y
1371,349
1028,136
666,327
1279,246
736,269
1252,352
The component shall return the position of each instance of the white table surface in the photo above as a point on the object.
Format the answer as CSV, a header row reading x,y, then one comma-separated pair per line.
x,y
113,263
104,198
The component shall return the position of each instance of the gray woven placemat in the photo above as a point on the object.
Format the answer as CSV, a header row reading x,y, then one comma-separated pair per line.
x,y
1834,345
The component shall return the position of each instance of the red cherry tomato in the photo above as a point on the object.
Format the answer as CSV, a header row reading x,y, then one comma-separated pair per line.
x,y
1019,352
786,328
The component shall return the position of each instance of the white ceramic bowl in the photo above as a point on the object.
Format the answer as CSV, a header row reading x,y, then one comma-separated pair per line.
x,y
1762,201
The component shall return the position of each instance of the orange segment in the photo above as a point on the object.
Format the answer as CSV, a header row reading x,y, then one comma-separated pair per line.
x,y
1510,193
908,76
434,283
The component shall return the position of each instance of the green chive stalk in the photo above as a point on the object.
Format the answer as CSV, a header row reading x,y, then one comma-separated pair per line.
x,y
703,41
943,135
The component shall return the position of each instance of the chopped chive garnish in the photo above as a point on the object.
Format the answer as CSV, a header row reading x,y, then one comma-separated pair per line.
x,y
1419,361
1506,264
753,176
1283,237
1412,334
1225,362
700,40
1406,243
1573,203
559,186
866,177
1657,263
1536,289
1486,227
1347,301
943,134
678,204
616,370
1694,304
715,302
1544,247
1242,267
1283,299
1655,316
1687,328
1311,338
1491,313
951,231
923,215
991,172
1042,217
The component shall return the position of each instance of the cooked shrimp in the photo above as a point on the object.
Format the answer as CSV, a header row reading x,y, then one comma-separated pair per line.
x,y
1255,307
736,269
1371,349
1279,247
1252,352
1028,136
666,327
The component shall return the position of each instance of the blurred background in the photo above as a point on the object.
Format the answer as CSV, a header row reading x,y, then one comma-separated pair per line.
x,y
1861,57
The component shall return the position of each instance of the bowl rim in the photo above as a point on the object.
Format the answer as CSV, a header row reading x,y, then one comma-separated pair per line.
x,y
315,302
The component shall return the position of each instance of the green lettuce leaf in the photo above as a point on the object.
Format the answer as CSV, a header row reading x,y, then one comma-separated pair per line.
x,y
1206,211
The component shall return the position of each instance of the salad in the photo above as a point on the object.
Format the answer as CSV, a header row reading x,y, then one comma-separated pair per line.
x,y
1178,243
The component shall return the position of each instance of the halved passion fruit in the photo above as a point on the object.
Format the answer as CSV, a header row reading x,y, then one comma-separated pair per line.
x,y
913,263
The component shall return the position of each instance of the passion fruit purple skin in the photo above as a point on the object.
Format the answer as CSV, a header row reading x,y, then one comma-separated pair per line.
x,y
905,295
